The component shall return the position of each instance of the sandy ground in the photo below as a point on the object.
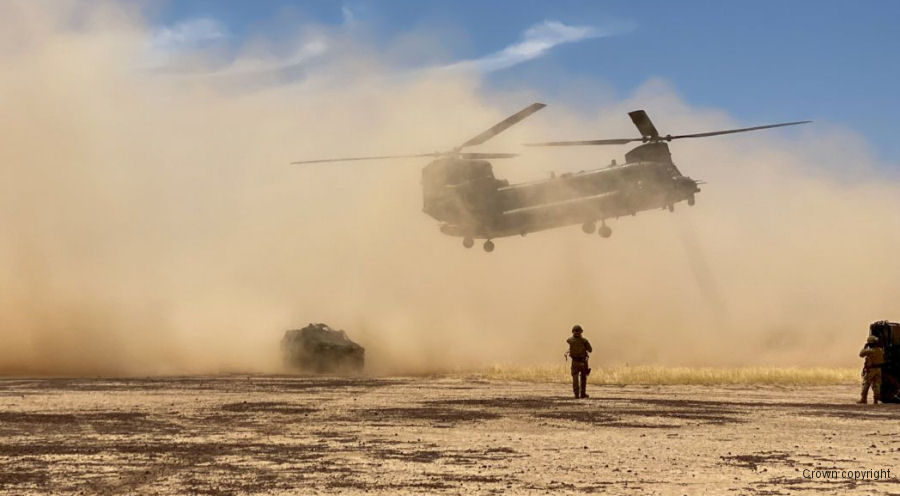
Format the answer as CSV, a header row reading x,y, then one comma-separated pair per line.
x,y
286,435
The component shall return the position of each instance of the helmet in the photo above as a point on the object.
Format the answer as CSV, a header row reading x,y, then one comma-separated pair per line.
x,y
871,340
577,330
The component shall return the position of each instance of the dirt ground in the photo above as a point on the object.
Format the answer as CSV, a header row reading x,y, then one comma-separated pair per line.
x,y
288,435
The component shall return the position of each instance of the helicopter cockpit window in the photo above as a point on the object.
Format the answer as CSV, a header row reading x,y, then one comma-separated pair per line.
x,y
463,171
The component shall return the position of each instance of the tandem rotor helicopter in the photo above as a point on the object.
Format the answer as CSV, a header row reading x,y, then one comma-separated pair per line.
x,y
460,191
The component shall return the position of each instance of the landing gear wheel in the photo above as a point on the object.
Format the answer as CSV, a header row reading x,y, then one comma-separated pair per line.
x,y
589,227
605,231
488,246
468,242
691,200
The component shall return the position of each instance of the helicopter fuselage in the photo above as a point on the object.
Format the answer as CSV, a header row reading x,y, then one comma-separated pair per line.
x,y
471,203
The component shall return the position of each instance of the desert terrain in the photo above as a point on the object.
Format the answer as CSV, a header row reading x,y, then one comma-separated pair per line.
x,y
438,435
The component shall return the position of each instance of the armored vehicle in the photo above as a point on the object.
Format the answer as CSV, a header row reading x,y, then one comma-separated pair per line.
x,y
321,349
888,334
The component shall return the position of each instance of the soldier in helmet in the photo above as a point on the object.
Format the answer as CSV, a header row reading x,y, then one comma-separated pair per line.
x,y
579,348
871,373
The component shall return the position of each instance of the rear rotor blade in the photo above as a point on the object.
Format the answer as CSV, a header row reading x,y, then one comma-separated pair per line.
x,y
669,137
642,121
352,159
503,125
586,142
731,131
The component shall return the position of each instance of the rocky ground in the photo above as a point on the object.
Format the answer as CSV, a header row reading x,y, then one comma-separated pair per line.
x,y
287,435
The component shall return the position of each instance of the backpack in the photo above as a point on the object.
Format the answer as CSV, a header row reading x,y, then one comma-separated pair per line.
x,y
576,348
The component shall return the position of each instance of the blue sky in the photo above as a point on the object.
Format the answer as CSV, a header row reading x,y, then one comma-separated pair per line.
x,y
761,61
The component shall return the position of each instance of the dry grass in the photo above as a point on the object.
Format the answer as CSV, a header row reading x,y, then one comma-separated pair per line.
x,y
656,375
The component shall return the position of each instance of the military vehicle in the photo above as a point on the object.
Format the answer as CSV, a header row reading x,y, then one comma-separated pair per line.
x,y
460,191
888,334
321,349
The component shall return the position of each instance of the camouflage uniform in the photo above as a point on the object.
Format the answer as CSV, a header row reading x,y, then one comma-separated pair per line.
x,y
578,352
871,373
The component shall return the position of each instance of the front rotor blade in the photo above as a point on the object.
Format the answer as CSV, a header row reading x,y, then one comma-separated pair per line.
x,y
731,131
486,156
642,121
586,142
503,125
351,159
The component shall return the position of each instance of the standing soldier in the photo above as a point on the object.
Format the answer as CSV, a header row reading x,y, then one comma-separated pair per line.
x,y
579,348
871,372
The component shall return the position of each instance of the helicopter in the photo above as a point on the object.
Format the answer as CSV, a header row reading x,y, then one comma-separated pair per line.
x,y
459,188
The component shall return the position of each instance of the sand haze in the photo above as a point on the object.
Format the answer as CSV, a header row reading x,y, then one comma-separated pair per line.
x,y
153,224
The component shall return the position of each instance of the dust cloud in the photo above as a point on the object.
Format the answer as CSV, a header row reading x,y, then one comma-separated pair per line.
x,y
152,224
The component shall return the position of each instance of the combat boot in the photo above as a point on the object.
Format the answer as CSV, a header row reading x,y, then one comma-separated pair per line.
x,y
875,399
575,388
863,400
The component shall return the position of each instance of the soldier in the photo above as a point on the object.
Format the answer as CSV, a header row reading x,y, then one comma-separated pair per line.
x,y
579,348
871,372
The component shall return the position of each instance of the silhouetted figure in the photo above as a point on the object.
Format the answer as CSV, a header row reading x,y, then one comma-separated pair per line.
x,y
871,372
579,350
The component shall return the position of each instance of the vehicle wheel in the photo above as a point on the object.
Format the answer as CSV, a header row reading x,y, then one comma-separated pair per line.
x,y
605,231
671,207
468,242
589,227
691,200
488,246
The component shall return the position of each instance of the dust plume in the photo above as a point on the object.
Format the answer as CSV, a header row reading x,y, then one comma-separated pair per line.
x,y
153,224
